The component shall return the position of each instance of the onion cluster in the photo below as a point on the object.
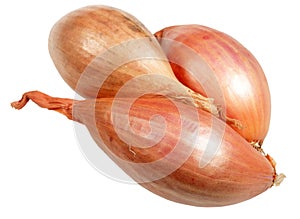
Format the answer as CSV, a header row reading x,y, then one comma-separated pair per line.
x,y
183,112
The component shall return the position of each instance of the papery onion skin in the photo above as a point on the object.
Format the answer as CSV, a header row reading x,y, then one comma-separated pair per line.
x,y
78,38
240,77
236,172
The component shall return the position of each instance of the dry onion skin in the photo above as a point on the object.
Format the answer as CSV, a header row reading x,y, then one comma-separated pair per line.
x,y
236,172
239,78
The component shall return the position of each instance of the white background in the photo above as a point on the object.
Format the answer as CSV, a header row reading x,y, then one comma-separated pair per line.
x,y
42,171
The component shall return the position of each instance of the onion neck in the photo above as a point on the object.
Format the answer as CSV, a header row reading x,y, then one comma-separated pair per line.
x,y
61,105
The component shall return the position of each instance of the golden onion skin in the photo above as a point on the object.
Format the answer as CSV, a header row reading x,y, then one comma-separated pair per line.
x,y
97,49
185,172
239,84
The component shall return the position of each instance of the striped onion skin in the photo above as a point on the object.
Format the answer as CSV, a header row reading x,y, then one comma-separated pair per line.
x,y
89,48
172,167
222,68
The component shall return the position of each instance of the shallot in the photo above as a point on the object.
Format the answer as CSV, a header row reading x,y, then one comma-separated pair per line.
x,y
214,64
198,160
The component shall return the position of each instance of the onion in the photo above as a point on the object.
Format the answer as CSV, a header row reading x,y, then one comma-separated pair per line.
x,y
181,166
98,49
216,65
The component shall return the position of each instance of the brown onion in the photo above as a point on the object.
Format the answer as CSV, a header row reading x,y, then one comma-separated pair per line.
x,y
180,166
214,64
98,49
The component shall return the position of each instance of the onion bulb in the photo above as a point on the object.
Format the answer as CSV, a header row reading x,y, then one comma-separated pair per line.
x,y
214,64
195,159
